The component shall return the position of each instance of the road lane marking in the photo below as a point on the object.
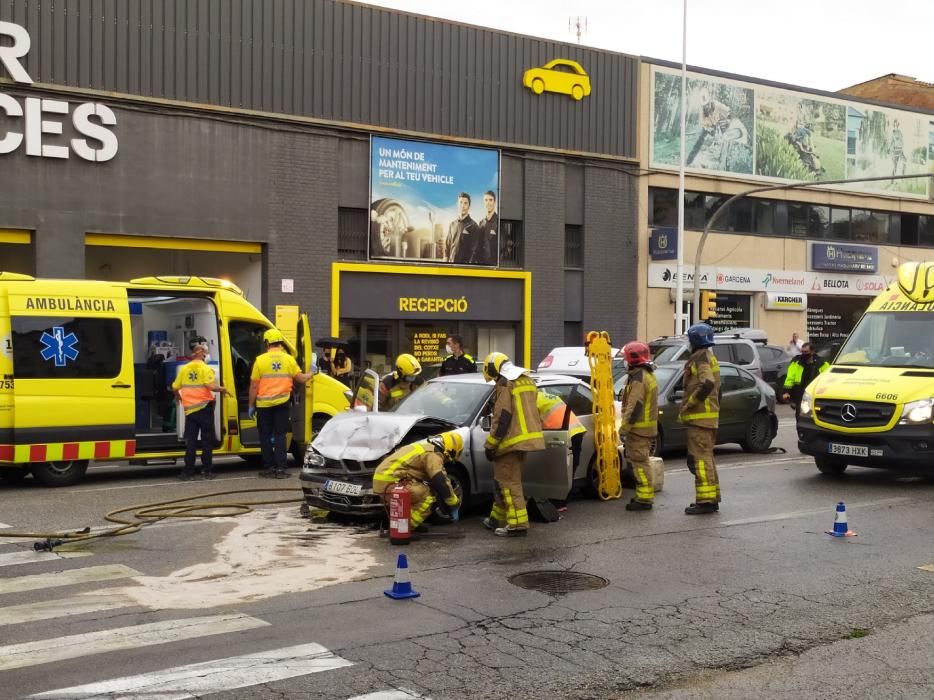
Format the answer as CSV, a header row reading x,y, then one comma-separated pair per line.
x,y
927,567
390,695
4,526
63,607
48,651
802,513
26,557
90,574
197,680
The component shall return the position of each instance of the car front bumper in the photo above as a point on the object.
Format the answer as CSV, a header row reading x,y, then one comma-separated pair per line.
x,y
904,447
366,505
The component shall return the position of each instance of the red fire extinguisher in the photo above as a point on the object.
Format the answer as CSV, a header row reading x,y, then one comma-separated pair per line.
x,y
400,508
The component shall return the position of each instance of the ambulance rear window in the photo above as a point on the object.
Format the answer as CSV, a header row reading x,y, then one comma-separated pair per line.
x,y
66,348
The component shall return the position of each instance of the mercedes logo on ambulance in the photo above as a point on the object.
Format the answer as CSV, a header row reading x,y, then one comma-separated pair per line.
x,y
848,412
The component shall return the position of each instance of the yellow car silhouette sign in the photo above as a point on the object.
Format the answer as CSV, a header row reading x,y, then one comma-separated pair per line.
x,y
563,76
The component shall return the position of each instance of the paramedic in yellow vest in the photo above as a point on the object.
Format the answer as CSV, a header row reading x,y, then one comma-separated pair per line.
x,y
420,467
402,382
194,387
516,428
639,420
700,412
270,392
552,411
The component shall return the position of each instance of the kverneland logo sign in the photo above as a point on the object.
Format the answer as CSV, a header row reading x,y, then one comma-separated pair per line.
x,y
38,124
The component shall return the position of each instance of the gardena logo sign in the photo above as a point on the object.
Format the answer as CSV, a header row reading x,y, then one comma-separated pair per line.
x,y
35,115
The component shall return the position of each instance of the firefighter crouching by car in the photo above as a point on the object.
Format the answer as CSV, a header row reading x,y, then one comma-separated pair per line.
x,y
402,382
420,467
516,428
639,425
700,412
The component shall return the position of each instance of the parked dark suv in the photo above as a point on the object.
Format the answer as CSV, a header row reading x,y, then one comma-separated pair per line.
x,y
728,348
775,361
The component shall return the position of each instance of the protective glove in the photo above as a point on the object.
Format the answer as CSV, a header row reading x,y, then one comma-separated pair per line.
x,y
455,514
251,412
490,454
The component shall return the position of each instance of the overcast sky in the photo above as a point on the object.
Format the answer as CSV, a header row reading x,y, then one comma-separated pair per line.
x,y
822,44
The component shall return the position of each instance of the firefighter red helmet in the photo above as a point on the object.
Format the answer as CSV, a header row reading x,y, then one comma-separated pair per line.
x,y
637,353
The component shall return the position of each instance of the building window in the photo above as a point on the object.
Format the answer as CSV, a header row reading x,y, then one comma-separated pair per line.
x,y
870,226
510,243
573,247
663,206
694,210
352,231
840,223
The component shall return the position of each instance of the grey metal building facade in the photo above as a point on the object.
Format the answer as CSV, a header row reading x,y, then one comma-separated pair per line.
x,y
244,130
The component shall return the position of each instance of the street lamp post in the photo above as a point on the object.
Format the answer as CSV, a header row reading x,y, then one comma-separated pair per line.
x,y
715,217
679,280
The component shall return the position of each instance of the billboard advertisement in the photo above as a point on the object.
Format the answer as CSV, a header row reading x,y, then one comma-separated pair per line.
x,y
740,128
433,202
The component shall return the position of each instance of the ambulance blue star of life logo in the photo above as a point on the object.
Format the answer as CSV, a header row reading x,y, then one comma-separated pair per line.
x,y
192,376
276,366
58,346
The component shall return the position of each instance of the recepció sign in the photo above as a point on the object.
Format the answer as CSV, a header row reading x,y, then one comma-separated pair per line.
x,y
843,257
42,118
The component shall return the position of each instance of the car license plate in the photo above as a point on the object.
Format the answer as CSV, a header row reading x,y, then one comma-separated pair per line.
x,y
849,450
343,488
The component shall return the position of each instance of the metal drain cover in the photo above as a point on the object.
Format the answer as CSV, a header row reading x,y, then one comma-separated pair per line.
x,y
558,582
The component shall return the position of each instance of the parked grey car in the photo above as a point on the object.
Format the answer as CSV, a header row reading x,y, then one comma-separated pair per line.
x,y
337,474
730,348
747,409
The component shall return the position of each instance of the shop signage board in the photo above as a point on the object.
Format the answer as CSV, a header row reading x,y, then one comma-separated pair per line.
x,y
428,346
433,202
663,243
785,301
765,280
843,257
733,311
830,320
49,128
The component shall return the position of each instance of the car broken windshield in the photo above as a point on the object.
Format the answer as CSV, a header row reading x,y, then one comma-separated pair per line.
x,y
452,401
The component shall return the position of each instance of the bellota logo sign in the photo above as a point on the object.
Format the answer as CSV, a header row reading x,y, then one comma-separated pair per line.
x,y
94,141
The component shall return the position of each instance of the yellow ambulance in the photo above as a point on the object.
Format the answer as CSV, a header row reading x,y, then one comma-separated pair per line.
x,y
874,407
86,370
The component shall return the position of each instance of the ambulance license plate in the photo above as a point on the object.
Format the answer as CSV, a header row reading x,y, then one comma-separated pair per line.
x,y
342,487
849,450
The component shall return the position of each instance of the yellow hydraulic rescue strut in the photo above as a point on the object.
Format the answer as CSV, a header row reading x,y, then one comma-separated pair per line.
x,y
606,439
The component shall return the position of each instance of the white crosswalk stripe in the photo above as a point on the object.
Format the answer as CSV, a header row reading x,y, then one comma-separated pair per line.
x,y
90,574
122,638
390,695
27,557
63,607
196,680
4,526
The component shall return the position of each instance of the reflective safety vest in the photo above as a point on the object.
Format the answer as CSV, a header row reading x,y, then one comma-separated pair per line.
x,y
516,424
796,372
552,410
275,371
419,461
640,404
701,367
193,383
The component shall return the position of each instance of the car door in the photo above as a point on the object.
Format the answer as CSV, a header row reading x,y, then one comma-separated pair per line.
x,y
579,399
365,396
767,359
303,395
674,431
739,400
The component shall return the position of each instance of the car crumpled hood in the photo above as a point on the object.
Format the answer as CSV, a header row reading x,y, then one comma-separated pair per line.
x,y
366,436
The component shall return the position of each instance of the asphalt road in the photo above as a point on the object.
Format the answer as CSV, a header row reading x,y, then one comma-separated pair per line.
x,y
753,600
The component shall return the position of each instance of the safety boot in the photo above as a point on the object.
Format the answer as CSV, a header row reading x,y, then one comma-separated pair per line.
x,y
267,474
491,524
510,532
638,505
702,508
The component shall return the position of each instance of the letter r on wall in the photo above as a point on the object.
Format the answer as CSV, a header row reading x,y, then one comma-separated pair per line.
x,y
10,55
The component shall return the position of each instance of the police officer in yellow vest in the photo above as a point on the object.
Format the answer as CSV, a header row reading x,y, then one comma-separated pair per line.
x,y
639,425
396,386
700,412
516,428
420,466
194,387
270,392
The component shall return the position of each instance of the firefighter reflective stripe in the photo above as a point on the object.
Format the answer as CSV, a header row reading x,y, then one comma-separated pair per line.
x,y
524,434
421,511
67,451
651,386
704,490
498,513
644,490
389,474
515,517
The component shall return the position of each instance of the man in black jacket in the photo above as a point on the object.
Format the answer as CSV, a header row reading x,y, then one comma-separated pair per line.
x,y
457,361
463,234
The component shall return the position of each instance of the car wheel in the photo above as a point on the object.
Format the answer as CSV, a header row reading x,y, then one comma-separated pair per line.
x,y
460,482
14,475
658,446
758,434
830,467
592,485
538,86
64,473
577,92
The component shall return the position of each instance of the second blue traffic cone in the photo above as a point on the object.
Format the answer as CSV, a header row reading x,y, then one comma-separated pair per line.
x,y
401,586
840,526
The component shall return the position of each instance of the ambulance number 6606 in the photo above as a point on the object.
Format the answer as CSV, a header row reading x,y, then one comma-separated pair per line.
x,y
887,397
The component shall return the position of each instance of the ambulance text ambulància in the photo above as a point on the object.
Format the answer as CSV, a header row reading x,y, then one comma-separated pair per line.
x,y
875,406
86,370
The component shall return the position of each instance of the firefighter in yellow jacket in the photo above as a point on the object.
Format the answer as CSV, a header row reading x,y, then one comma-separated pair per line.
x,y
403,381
639,425
420,466
700,412
516,429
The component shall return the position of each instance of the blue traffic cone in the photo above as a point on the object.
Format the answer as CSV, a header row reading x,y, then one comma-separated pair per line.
x,y
401,586
840,526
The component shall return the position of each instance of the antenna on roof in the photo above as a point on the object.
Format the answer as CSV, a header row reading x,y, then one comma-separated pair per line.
x,y
577,26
